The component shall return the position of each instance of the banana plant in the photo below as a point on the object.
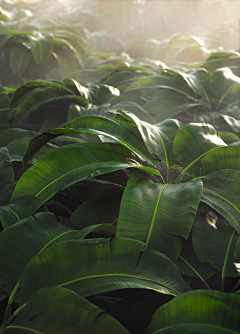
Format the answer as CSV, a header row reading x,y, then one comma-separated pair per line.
x,y
174,169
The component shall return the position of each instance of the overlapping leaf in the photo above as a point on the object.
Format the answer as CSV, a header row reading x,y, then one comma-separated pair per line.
x,y
221,190
92,267
198,311
41,314
156,213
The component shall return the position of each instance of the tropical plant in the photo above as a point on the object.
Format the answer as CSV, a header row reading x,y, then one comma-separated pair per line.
x,y
179,172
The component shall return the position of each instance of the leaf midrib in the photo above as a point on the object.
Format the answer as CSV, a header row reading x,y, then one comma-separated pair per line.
x,y
73,170
124,275
194,324
225,199
154,215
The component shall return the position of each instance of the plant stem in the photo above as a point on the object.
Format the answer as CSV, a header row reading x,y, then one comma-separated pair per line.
x,y
225,262
197,273
235,287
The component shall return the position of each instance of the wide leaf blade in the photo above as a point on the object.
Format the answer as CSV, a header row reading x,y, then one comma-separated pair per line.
x,y
154,213
221,190
210,245
192,142
57,311
20,242
69,164
90,267
200,311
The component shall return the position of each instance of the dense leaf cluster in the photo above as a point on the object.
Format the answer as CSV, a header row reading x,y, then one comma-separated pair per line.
x,y
119,180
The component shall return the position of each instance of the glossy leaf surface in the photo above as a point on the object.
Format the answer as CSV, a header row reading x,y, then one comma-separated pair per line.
x,y
56,310
154,213
90,267
198,311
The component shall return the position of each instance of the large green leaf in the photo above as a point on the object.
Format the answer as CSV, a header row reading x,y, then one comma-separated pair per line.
x,y
56,310
75,46
134,108
69,164
156,213
168,80
122,77
14,212
169,128
167,106
220,119
138,136
90,267
221,190
20,242
40,96
20,93
225,85
41,47
221,158
19,60
192,142
211,245
9,135
199,312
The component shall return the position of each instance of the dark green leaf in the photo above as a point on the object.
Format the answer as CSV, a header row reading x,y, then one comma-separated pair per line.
x,y
59,310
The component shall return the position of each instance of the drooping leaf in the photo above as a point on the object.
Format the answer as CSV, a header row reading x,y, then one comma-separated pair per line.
x,y
225,119
221,191
23,207
69,164
90,267
40,96
156,213
210,245
139,137
9,135
200,311
167,106
23,240
225,85
19,60
41,47
194,141
221,158
58,310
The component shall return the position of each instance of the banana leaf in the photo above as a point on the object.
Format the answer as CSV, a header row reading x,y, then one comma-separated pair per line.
x,y
20,242
225,85
221,191
38,97
211,245
41,47
158,213
126,134
58,310
221,158
192,142
20,58
65,166
200,311
94,266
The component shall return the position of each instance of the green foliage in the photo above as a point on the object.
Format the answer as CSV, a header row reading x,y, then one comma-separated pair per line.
x,y
119,175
